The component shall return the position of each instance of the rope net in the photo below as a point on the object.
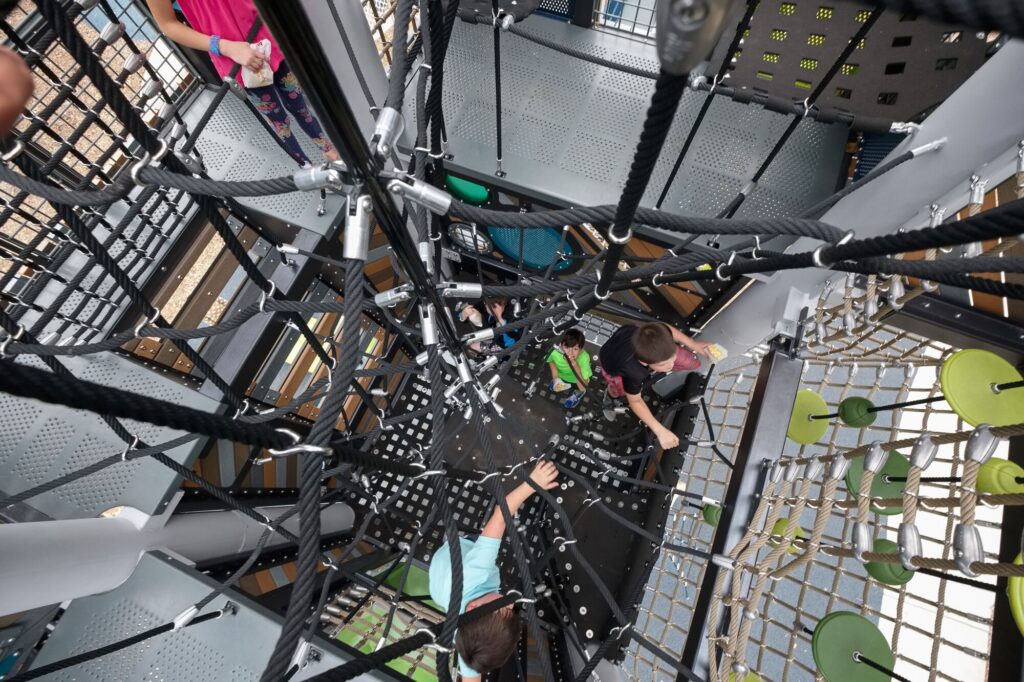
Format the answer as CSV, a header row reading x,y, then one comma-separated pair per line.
x,y
368,368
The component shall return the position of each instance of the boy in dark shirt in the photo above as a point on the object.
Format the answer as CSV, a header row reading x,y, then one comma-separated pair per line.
x,y
630,356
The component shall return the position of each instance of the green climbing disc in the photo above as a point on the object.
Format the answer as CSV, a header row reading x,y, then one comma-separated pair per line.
x,y
895,465
889,574
835,640
779,529
467,191
1015,593
854,411
712,514
967,378
802,428
999,477
749,677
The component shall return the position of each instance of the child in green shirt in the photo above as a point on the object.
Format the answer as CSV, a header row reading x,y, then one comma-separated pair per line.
x,y
570,364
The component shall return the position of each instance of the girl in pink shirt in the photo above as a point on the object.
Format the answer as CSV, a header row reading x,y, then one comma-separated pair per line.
x,y
220,27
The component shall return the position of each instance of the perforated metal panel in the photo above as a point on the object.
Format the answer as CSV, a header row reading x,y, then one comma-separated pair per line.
x,y
229,649
40,442
236,146
570,128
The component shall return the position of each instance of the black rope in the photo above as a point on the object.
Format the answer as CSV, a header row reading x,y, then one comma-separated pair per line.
x,y
737,38
668,91
808,103
72,661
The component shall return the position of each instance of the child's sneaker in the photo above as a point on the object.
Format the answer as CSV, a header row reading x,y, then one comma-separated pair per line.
x,y
573,400
557,385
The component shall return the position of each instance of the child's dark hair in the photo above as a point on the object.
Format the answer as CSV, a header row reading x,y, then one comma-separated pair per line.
x,y
486,643
491,300
573,338
652,343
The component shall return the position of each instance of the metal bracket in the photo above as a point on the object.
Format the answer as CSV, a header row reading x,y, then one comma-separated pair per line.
x,y
460,289
923,454
981,444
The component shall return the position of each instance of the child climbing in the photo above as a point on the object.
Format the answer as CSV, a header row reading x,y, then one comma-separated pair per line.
x,y
634,352
485,644
569,362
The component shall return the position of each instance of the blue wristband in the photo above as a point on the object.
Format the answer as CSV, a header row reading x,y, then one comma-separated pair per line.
x,y
215,46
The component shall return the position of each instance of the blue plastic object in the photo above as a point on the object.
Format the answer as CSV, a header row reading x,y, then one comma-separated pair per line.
x,y
539,246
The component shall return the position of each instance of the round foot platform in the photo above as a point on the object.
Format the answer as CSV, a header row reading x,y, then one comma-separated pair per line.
x,y
712,514
779,529
802,428
967,379
896,465
886,573
856,412
999,477
467,191
841,634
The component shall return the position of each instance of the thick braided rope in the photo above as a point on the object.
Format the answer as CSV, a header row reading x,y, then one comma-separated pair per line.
x,y
735,554
310,467
763,574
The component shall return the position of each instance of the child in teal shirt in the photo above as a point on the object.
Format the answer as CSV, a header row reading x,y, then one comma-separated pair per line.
x,y
570,364
486,643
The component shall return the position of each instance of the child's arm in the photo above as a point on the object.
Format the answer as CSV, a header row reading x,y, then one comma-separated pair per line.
x,y
698,347
666,439
583,377
554,370
544,475
167,21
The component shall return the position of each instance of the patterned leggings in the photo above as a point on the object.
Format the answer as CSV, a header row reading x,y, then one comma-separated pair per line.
x,y
273,100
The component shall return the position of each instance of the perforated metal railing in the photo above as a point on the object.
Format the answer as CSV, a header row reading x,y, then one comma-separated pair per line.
x,y
938,628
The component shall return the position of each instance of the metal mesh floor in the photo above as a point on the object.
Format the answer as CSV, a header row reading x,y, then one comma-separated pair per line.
x,y
570,128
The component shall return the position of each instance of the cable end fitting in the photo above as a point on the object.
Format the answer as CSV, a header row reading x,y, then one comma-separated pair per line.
x,y
930,147
461,289
427,325
390,124
479,335
357,227
185,617
317,178
904,128
422,194
392,297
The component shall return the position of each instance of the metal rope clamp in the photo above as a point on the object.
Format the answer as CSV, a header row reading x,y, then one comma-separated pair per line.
x,y
11,153
908,536
422,194
296,448
873,462
10,337
967,544
390,125
358,226
432,644
148,160
153,317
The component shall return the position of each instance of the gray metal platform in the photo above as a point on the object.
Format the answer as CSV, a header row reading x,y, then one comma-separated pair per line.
x,y
42,442
236,146
228,649
570,128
